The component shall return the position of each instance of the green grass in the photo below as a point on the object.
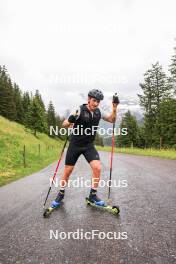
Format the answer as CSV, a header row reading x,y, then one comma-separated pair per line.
x,y
168,154
13,137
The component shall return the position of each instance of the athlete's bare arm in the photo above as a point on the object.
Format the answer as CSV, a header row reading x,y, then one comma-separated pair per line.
x,y
112,117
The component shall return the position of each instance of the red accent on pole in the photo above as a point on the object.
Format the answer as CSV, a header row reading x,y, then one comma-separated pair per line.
x,y
57,167
56,171
112,150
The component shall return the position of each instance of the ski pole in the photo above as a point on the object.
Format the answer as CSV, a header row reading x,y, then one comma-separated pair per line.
x,y
115,100
59,161
111,160
55,172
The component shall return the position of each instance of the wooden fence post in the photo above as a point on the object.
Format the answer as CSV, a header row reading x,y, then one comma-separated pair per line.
x,y
39,149
24,156
161,141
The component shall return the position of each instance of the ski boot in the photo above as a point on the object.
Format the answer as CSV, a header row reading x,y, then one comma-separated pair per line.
x,y
55,204
93,198
96,202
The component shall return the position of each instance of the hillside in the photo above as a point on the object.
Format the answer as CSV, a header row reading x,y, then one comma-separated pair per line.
x,y
39,151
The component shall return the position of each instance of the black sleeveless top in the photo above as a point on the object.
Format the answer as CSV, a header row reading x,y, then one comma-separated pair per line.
x,y
84,123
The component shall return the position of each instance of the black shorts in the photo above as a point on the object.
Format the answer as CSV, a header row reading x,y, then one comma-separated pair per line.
x,y
74,151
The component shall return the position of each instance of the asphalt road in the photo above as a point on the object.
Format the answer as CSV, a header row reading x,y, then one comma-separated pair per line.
x,y
148,216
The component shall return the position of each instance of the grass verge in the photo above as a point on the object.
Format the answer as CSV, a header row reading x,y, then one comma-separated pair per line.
x,y
40,151
167,154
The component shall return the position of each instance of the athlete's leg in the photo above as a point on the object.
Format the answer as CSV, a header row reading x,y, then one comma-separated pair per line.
x,y
72,155
96,169
65,176
93,158
63,183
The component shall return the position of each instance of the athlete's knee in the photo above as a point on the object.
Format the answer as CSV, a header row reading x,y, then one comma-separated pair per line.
x,y
68,169
96,166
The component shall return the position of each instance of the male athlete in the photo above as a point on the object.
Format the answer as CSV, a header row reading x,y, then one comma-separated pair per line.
x,y
86,118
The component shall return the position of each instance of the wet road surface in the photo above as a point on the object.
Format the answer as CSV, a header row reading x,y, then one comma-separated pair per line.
x,y
147,218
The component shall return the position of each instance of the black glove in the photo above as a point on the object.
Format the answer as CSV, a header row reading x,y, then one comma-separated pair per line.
x,y
72,118
115,99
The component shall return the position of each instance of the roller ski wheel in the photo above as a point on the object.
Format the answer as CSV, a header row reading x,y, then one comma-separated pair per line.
x,y
115,210
48,211
112,209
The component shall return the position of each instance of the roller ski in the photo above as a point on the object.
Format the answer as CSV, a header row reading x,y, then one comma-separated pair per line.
x,y
54,205
95,201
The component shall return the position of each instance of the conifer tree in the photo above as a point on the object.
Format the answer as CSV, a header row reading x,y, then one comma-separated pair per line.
x,y
156,87
26,101
7,105
99,140
59,122
172,69
18,100
167,121
51,116
132,138
36,117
